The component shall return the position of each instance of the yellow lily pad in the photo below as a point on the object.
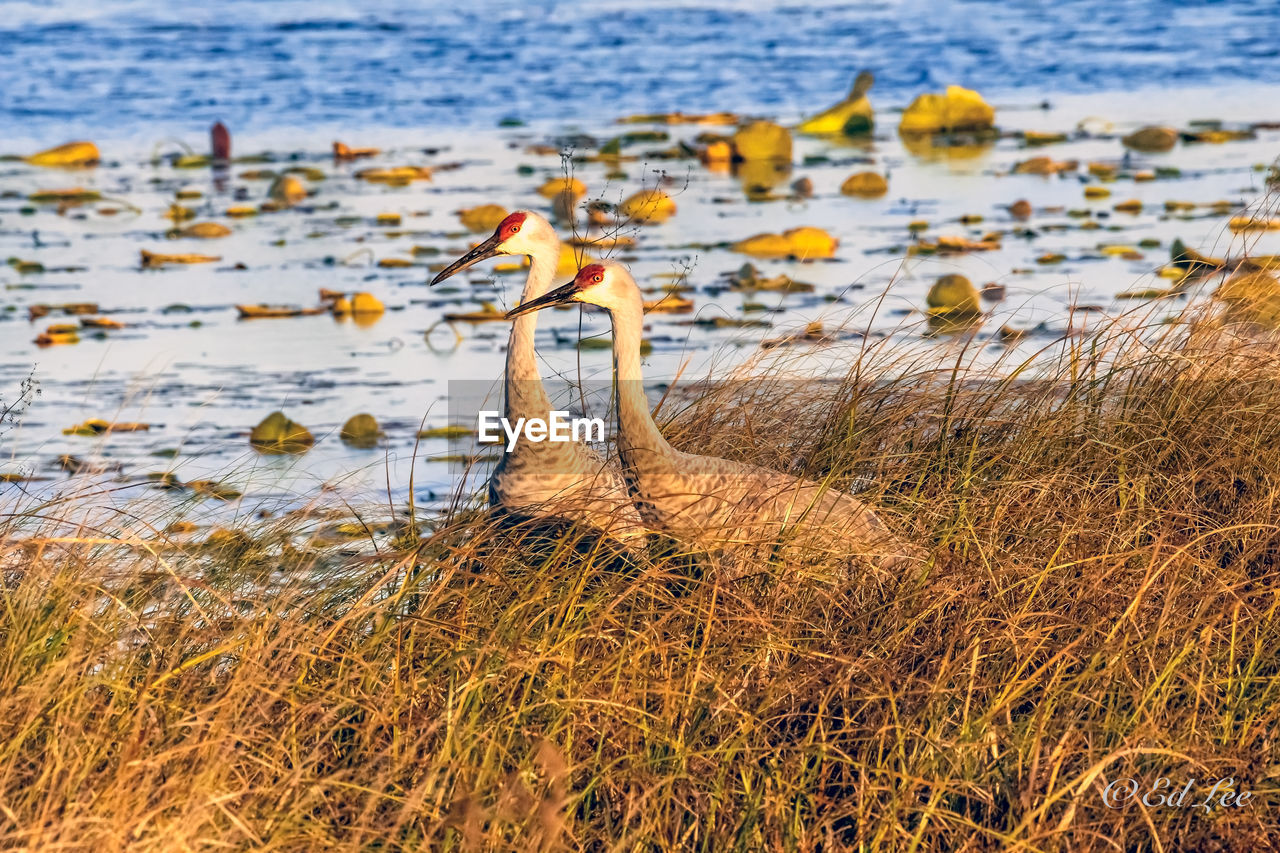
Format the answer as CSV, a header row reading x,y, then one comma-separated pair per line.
x,y
278,434
360,431
958,109
486,217
562,186
1239,224
287,191
395,175
852,116
70,154
205,231
808,242
366,303
572,259
649,206
953,294
763,140
155,259
1151,139
74,195
865,185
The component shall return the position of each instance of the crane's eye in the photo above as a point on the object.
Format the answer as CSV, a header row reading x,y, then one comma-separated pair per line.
x,y
515,228
597,278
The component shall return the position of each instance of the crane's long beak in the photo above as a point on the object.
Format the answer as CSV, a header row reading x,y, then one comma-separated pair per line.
x,y
560,296
487,249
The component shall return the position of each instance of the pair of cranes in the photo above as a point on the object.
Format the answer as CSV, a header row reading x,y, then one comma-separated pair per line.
x,y
717,505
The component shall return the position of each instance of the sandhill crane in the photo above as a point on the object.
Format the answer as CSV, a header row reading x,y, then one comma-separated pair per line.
x,y
545,478
716,504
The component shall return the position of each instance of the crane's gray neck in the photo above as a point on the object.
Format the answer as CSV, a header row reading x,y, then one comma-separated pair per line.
x,y
525,396
636,429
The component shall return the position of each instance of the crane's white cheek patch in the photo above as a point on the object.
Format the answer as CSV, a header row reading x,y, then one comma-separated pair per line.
x,y
558,426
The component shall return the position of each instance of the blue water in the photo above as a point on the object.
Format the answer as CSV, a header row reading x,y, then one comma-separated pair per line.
x,y
143,68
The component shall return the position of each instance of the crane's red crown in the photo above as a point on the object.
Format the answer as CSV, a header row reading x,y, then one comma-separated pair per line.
x,y
589,276
510,226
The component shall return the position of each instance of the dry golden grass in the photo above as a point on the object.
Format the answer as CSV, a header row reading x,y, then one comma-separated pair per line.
x,y
1102,601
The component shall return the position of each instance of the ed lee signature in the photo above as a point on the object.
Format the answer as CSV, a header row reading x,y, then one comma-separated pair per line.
x,y
1163,793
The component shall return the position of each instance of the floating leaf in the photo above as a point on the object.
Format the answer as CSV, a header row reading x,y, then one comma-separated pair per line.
x,y
953,294
100,323
852,116
809,242
802,243
204,231
75,195
670,303
562,186
311,173
488,313
681,118
278,434
959,109
154,259
1132,205
252,312
344,152
360,431
865,185
178,213
53,338
1146,293
395,176
649,206
395,263
1045,166
287,191
191,161
214,489
451,431
1151,139
763,140
70,154
1240,224
1095,191
764,246
1020,209
366,303
486,217
1035,137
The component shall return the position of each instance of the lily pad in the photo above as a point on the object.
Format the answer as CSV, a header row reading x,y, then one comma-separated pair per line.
x,y
865,185
70,154
953,294
360,431
958,109
278,434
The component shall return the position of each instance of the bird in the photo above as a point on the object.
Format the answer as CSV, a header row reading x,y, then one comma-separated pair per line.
x,y
716,504
560,479
852,116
